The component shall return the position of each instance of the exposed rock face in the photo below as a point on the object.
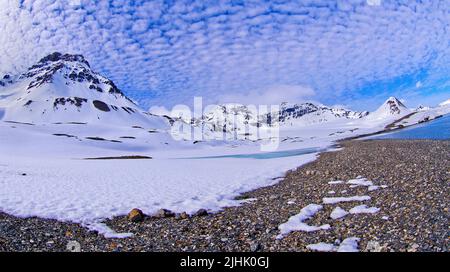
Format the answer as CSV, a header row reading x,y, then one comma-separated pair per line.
x,y
76,101
100,105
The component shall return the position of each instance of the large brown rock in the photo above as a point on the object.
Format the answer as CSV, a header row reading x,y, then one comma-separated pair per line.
x,y
136,215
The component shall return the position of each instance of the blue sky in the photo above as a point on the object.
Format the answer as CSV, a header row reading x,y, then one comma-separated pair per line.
x,y
354,53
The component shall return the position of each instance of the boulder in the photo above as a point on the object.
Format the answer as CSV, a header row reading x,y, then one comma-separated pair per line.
x,y
163,213
201,212
136,215
182,215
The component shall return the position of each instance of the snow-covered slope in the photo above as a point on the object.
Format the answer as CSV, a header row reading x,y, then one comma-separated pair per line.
x,y
309,113
63,89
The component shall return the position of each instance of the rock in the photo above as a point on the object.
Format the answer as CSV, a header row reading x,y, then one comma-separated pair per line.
x,y
413,248
73,246
254,247
201,212
272,197
373,246
163,213
136,215
182,215
327,172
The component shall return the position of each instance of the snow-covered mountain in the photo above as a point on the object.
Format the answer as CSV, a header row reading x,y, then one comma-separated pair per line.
x,y
391,109
445,103
309,113
62,88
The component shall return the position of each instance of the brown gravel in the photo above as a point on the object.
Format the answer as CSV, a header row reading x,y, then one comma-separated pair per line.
x,y
417,174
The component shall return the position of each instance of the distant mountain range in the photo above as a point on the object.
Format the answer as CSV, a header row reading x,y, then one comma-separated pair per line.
x,y
62,88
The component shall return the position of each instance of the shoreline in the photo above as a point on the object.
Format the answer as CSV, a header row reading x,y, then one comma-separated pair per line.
x,y
253,226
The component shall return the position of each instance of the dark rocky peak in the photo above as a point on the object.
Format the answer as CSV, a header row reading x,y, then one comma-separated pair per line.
x,y
49,65
394,105
74,69
56,56
394,101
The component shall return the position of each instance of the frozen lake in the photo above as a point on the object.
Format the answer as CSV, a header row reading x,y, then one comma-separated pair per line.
x,y
436,130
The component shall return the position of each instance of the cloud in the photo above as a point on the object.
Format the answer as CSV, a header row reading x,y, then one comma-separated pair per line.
x,y
166,52
159,110
273,95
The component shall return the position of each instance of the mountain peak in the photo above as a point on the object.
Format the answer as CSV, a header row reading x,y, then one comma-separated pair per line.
x,y
57,56
74,68
391,107
394,100
394,105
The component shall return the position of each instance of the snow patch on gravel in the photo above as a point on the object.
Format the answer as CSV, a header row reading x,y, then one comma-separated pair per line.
x,y
335,200
338,212
106,231
364,209
296,222
323,247
335,182
360,182
348,245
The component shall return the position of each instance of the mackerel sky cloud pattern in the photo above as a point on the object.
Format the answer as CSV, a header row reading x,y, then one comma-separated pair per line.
x,y
165,52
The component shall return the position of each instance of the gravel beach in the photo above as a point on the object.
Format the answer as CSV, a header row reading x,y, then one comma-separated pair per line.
x,y
413,209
